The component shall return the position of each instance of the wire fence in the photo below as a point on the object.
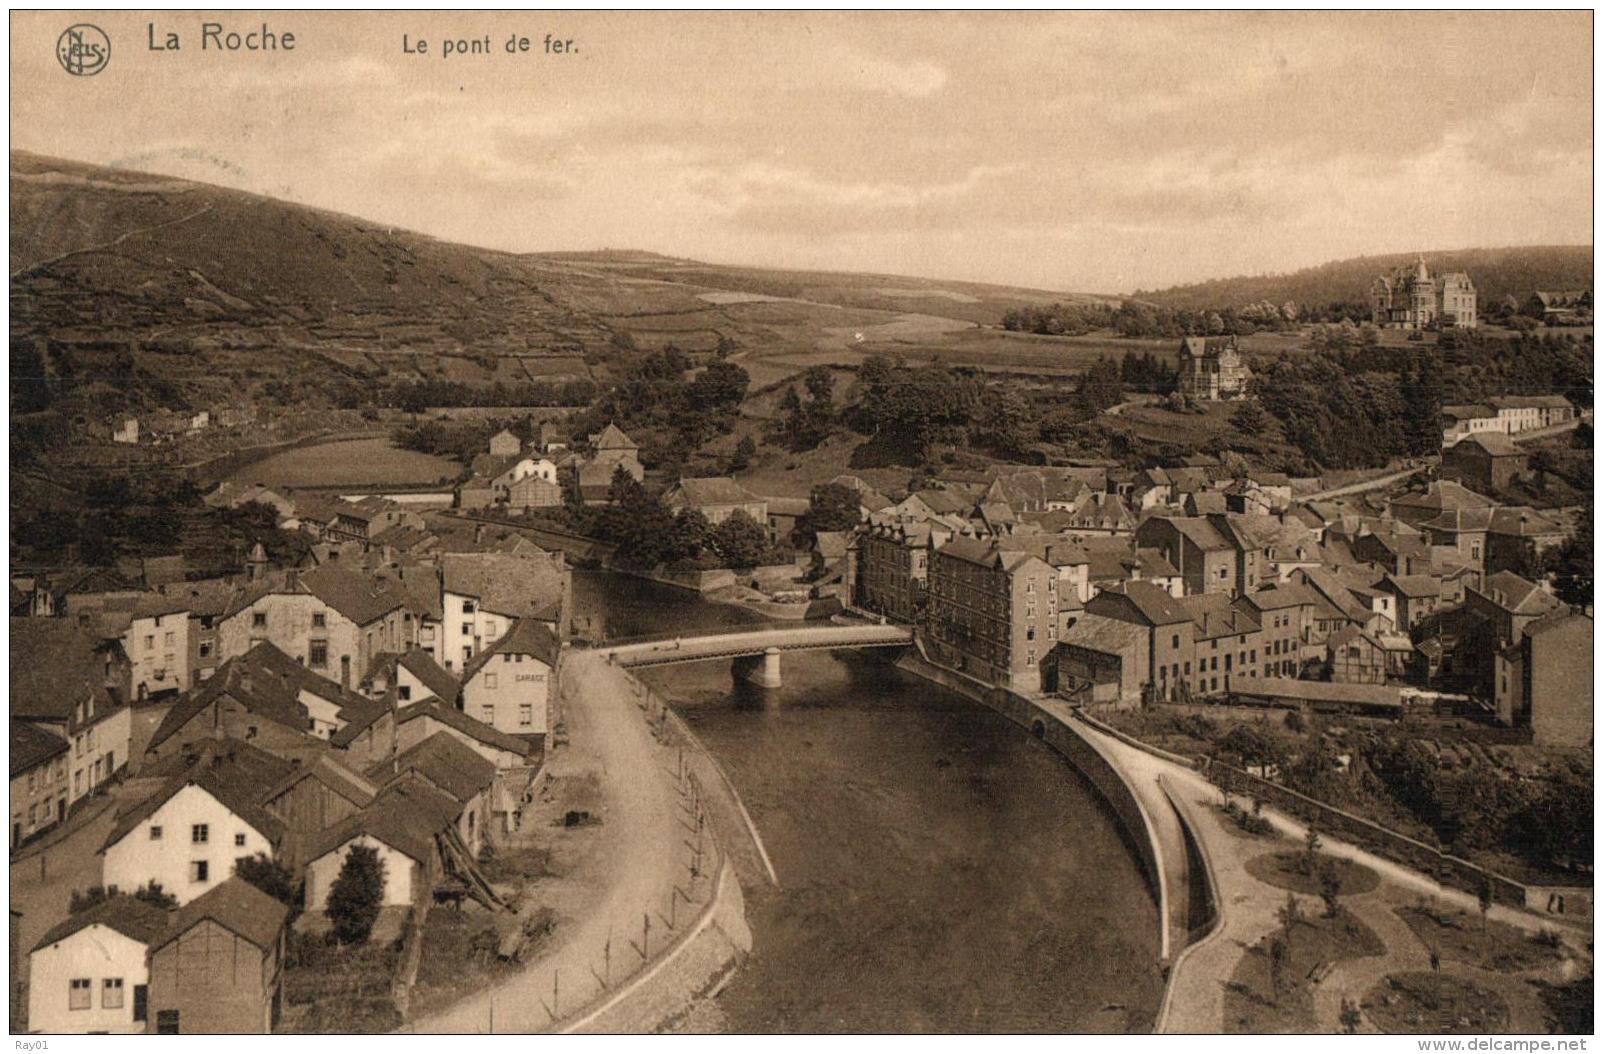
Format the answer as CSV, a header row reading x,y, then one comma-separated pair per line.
x,y
658,925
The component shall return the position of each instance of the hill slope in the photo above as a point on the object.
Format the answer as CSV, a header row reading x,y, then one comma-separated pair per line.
x,y
1495,272
213,293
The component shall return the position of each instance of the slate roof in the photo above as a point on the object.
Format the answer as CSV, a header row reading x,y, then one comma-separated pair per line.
x,y
1494,443
1278,598
1442,495
436,678
1153,602
1514,594
473,728
238,907
1523,522
233,772
526,637
1216,615
712,490
1103,634
446,762
406,816
1320,691
348,784
1415,585
359,597
612,438
133,918
56,664
31,747
506,584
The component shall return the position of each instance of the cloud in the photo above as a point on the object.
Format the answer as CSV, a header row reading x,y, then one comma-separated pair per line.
x,y
915,79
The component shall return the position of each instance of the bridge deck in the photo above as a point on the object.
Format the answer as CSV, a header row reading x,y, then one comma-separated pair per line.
x,y
756,642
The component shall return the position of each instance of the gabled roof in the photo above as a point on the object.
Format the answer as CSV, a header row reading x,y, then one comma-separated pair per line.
x,y
526,637
1216,615
238,907
348,784
436,678
452,718
359,597
406,816
1415,585
612,438
235,773
1518,596
55,665
1206,346
1442,495
711,490
1151,601
1495,444
135,919
1101,633
32,747
1523,522
1278,598
445,762
507,584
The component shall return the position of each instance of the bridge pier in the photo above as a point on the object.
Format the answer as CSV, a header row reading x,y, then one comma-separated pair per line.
x,y
761,670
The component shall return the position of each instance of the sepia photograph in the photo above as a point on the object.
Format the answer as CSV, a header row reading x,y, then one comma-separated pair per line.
x,y
780,523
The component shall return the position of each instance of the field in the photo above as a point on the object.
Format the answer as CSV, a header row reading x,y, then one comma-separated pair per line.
x,y
349,463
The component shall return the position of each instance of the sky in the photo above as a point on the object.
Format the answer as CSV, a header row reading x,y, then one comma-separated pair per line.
x,y
1077,152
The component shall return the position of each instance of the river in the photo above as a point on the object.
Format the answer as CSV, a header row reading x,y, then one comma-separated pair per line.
x,y
940,870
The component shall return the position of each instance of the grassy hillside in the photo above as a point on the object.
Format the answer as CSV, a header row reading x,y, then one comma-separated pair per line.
x,y
202,296
1495,272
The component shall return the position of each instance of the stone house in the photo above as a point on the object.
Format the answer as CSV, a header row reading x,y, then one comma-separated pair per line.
x,y
509,685
1488,461
39,786
220,968
717,498
992,612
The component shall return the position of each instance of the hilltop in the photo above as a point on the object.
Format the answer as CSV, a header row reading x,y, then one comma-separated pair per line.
x,y
1495,272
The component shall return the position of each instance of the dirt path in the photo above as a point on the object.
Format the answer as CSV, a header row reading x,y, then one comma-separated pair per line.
x,y
640,855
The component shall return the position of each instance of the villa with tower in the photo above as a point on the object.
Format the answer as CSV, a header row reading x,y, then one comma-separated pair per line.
x,y
1414,298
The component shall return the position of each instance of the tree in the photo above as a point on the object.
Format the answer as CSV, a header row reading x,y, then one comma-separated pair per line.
x,y
269,876
1483,896
745,450
832,507
1290,913
358,893
1310,856
1330,889
1249,419
739,541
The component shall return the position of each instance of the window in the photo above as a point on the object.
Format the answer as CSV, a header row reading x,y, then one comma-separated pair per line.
x,y
489,715
205,651
467,629
199,870
168,640
141,1001
489,680
167,1023
405,692
1175,642
319,619
150,642
467,653
199,834
317,654
155,832
467,607
258,619
526,715
490,628
239,840
78,993
111,993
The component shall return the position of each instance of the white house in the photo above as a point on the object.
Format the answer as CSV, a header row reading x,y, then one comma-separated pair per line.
x,y
509,686
402,824
90,973
157,643
482,594
188,836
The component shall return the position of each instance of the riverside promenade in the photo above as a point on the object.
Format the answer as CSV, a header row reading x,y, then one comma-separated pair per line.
x,y
648,901
1249,911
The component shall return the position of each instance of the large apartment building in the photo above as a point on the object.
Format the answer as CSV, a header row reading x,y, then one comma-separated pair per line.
x,y
993,612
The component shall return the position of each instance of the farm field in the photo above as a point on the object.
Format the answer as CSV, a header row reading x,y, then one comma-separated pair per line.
x,y
348,463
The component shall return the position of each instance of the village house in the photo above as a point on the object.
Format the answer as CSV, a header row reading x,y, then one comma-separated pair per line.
x,y
1462,420
1225,642
1553,669
404,826
483,594
39,787
1558,307
1517,536
610,450
1285,616
266,698
1355,657
509,685
1488,461
1164,662
311,798
446,764
68,682
219,970
206,815
992,612
89,973
1212,369
333,619
413,675
505,444
1102,660
1418,598
1396,551
717,498
417,721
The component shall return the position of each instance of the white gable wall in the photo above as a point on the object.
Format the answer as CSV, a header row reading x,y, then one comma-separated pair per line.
x,y
95,952
138,858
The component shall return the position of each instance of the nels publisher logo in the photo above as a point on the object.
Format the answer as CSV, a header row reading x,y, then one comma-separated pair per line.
x,y
83,50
